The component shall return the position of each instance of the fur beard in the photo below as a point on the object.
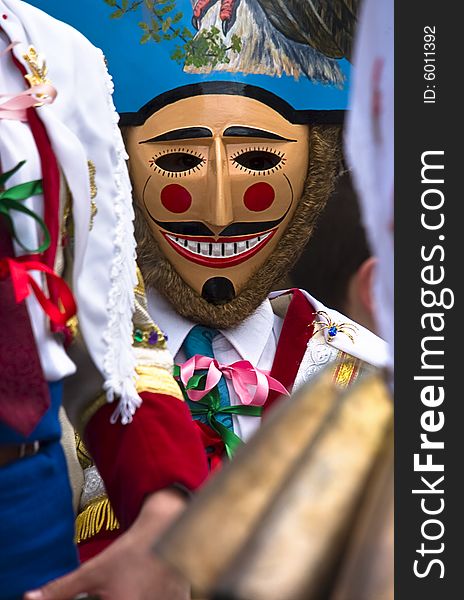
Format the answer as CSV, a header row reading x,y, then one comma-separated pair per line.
x,y
157,271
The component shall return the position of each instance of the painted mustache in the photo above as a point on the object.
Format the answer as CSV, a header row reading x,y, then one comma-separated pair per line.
x,y
198,229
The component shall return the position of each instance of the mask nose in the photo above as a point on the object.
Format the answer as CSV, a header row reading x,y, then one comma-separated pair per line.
x,y
219,192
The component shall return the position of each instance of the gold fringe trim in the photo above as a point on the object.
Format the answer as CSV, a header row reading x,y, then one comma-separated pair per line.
x,y
96,516
347,370
158,381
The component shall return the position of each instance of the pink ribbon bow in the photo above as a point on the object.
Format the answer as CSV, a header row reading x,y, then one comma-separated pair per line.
x,y
241,373
15,108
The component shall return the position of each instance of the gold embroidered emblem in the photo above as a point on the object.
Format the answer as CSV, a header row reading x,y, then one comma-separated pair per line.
x,y
93,192
38,67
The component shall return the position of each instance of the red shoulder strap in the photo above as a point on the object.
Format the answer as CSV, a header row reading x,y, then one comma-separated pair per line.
x,y
297,330
50,182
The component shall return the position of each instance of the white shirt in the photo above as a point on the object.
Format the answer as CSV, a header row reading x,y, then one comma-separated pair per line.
x,y
81,124
255,340
16,144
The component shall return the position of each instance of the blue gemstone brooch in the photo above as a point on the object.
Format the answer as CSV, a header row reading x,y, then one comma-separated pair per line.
x,y
333,328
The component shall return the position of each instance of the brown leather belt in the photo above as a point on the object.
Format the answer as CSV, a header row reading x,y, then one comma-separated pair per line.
x,y
11,452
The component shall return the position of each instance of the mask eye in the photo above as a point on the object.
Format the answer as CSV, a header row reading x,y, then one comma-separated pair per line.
x,y
258,160
179,162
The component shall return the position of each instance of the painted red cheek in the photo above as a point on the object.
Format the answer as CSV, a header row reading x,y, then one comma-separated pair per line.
x,y
259,196
176,198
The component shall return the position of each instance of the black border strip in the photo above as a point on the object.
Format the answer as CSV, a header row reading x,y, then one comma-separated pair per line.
x,y
298,117
429,511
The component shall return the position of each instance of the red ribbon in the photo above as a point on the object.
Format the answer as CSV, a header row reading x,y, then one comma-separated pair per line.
x,y
212,442
24,283
51,185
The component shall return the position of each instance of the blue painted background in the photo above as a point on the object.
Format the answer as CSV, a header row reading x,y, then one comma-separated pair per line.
x,y
141,72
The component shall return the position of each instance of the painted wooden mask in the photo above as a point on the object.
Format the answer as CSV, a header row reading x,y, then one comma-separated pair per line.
x,y
218,178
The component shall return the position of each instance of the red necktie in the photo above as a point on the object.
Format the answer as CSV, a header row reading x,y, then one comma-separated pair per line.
x,y
24,394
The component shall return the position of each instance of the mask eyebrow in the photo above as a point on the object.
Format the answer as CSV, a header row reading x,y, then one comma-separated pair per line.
x,y
186,133
242,131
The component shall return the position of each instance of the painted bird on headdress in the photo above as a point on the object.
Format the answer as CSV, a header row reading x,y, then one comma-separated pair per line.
x,y
295,37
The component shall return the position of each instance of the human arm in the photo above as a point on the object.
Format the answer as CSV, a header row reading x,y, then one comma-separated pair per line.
x,y
128,568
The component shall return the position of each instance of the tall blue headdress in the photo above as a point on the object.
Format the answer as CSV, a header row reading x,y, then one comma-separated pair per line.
x,y
289,54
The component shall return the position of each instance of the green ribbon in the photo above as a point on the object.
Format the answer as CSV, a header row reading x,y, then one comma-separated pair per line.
x,y
210,406
12,198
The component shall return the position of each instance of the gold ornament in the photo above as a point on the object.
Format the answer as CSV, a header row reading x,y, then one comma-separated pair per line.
x,y
333,328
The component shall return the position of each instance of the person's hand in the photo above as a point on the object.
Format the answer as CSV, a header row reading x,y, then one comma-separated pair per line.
x,y
128,569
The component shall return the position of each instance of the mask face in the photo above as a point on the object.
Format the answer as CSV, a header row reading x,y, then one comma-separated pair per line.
x,y
218,178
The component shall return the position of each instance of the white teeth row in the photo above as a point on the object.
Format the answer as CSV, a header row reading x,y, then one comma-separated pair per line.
x,y
218,250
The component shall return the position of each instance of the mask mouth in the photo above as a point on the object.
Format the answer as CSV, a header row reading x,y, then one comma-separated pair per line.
x,y
220,253
218,290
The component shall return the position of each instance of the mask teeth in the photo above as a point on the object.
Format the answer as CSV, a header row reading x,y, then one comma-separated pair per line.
x,y
218,249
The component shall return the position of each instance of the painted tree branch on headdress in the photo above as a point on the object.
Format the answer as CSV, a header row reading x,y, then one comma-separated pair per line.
x,y
203,49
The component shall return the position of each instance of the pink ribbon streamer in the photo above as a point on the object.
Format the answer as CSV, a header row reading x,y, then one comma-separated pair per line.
x,y
15,108
241,373
9,48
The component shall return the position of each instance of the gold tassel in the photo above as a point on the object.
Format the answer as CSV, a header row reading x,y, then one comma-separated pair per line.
x,y
93,518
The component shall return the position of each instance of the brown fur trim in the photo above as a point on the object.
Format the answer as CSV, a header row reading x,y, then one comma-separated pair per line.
x,y
324,166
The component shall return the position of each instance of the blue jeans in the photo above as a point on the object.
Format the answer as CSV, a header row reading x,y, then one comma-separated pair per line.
x,y
36,514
